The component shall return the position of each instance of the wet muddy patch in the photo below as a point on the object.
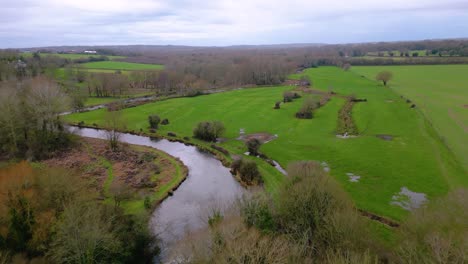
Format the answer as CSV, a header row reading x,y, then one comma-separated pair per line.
x,y
408,199
262,137
385,137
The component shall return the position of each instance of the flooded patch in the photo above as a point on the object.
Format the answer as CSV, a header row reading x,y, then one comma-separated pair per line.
x,y
408,200
345,136
385,137
352,177
279,168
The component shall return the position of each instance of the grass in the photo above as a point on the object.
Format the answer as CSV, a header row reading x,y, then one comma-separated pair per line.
x,y
440,93
90,101
119,65
73,56
416,158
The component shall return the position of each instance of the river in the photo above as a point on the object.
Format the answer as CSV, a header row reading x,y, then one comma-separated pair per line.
x,y
209,185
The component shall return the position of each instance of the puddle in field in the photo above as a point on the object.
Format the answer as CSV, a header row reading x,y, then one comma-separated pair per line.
x,y
325,166
345,136
408,199
385,137
352,177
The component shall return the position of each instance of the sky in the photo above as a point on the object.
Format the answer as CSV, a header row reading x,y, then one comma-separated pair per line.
x,y
34,23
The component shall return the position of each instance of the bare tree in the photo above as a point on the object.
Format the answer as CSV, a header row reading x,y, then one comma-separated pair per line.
x,y
384,76
114,123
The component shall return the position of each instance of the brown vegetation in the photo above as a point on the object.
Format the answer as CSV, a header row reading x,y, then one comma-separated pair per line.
x,y
346,124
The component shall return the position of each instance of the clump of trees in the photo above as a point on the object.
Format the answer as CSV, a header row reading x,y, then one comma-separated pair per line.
x,y
253,145
209,130
247,170
384,77
30,123
308,106
48,212
154,121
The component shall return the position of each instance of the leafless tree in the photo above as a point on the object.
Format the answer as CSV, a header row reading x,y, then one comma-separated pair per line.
x,y
384,77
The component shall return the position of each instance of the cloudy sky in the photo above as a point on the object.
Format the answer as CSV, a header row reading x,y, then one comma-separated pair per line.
x,y
30,23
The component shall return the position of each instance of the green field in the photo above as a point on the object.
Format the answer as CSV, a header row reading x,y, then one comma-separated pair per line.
x,y
119,65
441,93
415,158
73,56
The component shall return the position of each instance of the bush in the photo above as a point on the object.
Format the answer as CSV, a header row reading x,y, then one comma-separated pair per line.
x,y
257,212
288,96
253,145
247,171
308,106
277,105
165,121
147,203
314,209
437,233
208,131
154,121
171,134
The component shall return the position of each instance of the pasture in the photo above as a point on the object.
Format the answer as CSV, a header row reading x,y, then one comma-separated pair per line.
x,y
414,158
119,65
440,93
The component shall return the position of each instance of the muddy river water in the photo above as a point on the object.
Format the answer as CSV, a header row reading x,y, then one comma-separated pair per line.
x,y
209,185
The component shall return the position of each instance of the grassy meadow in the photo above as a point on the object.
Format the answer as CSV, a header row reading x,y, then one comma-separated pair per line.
x,y
120,65
415,158
442,98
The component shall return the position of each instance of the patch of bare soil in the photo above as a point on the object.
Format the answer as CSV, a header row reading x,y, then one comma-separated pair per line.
x,y
263,137
465,106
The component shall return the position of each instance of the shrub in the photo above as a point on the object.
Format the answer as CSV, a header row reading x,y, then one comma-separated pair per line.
x,y
247,171
165,121
277,105
253,145
308,106
437,233
171,134
314,209
288,96
208,131
257,212
154,121
147,203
